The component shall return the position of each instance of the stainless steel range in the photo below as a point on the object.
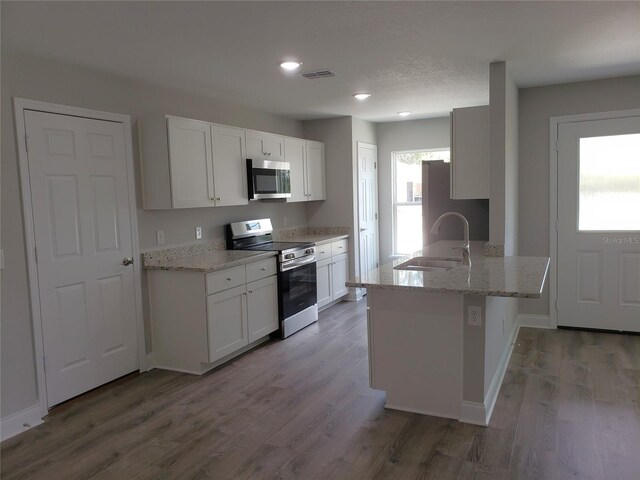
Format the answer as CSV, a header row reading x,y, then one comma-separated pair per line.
x,y
297,293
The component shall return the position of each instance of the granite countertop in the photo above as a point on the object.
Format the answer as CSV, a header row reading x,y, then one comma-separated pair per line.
x,y
521,277
207,262
317,239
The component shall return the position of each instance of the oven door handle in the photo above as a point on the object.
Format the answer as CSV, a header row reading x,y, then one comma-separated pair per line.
x,y
291,264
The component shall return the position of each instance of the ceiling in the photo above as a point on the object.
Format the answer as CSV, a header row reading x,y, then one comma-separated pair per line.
x,y
426,57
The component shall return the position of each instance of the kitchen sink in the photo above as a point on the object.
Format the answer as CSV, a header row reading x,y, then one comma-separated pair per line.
x,y
428,264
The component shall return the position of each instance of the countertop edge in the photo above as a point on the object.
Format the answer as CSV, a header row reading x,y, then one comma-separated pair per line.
x,y
214,268
483,293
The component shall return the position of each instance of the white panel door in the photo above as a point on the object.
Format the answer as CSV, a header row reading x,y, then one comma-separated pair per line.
x,y
294,154
229,166
227,322
81,210
262,307
191,163
367,208
315,165
599,224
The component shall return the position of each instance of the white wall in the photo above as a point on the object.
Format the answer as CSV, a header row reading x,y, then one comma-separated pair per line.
x,y
537,105
53,82
397,136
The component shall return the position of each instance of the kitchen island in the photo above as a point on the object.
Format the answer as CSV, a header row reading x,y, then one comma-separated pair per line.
x,y
440,334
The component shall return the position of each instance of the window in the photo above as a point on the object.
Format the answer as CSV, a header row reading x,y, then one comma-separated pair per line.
x,y
609,183
407,197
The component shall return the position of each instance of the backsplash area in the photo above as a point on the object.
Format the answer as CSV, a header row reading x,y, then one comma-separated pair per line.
x,y
220,243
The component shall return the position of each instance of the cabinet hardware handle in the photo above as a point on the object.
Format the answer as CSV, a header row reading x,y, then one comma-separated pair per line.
x,y
228,279
250,291
218,199
244,293
263,269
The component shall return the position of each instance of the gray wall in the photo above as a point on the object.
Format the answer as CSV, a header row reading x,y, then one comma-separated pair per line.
x,y
53,82
537,105
397,136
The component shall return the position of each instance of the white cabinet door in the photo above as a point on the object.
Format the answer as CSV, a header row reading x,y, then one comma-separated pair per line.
x,y
191,163
339,275
294,153
470,153
323,277
229,166
227,322
316,189
266,146
262,307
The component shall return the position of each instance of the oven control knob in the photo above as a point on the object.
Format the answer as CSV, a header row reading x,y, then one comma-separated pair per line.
x,y
289,255
309,251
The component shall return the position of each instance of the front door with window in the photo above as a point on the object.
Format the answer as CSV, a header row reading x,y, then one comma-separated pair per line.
x,y
599,224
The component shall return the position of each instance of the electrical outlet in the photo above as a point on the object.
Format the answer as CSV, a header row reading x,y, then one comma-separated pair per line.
x,y
1,259
284,221
160,237
475,315
198,233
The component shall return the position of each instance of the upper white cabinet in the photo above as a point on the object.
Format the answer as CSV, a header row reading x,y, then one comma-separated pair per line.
x,y
315,171
470,153
188,163
264,146
306,159
229,160
295,151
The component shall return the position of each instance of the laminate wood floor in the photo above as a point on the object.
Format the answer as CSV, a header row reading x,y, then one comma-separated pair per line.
x,y
302,409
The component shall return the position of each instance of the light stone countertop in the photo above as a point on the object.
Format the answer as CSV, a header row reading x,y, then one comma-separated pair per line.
x,y
521,277
317,239
207,262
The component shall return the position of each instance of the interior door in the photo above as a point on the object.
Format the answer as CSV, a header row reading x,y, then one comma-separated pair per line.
x,y
81,211
367,207
599,224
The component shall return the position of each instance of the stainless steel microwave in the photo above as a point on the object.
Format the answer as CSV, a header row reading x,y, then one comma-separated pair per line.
x,y
268,179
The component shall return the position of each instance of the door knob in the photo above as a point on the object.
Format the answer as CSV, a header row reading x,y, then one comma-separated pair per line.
x,y
362,229
127,261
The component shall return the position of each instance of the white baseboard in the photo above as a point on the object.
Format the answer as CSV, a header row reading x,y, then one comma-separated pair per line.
x,y
534,321
474,413
20,422
480,413
149,362
419,411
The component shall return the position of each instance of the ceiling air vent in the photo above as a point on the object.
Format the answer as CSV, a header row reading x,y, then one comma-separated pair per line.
x,y
319,74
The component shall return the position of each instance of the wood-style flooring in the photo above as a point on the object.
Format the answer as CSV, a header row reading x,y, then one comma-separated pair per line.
x,y
302,409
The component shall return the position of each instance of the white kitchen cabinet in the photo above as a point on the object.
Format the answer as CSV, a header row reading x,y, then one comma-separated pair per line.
x,y
295,153
262,307
202,320
332,272
307,163
264,146
189,163
315,171
469,174
227,322
229,166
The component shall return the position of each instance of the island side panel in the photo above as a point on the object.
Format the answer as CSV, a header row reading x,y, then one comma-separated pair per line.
x,y
415,350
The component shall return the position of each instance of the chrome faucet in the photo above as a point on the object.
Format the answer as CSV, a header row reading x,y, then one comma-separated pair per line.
x,y
466,254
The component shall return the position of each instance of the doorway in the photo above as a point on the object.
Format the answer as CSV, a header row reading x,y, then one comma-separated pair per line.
x,y
598,223
80,212
367,234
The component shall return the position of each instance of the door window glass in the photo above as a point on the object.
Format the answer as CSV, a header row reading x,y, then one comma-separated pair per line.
x,y
609,183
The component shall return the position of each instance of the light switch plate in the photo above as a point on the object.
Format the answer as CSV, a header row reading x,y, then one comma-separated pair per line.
x,y
160,237
198,233
475,315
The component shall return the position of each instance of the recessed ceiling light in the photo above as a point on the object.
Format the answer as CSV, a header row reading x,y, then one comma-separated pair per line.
x,y
361,96
290,65
404,114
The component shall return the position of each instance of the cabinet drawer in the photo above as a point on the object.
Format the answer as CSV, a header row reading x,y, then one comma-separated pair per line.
x,y
323,251
341,246
224,279
262,269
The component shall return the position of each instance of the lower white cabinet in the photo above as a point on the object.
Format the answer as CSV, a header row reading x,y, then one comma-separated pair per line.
x,y
332,272
201,320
